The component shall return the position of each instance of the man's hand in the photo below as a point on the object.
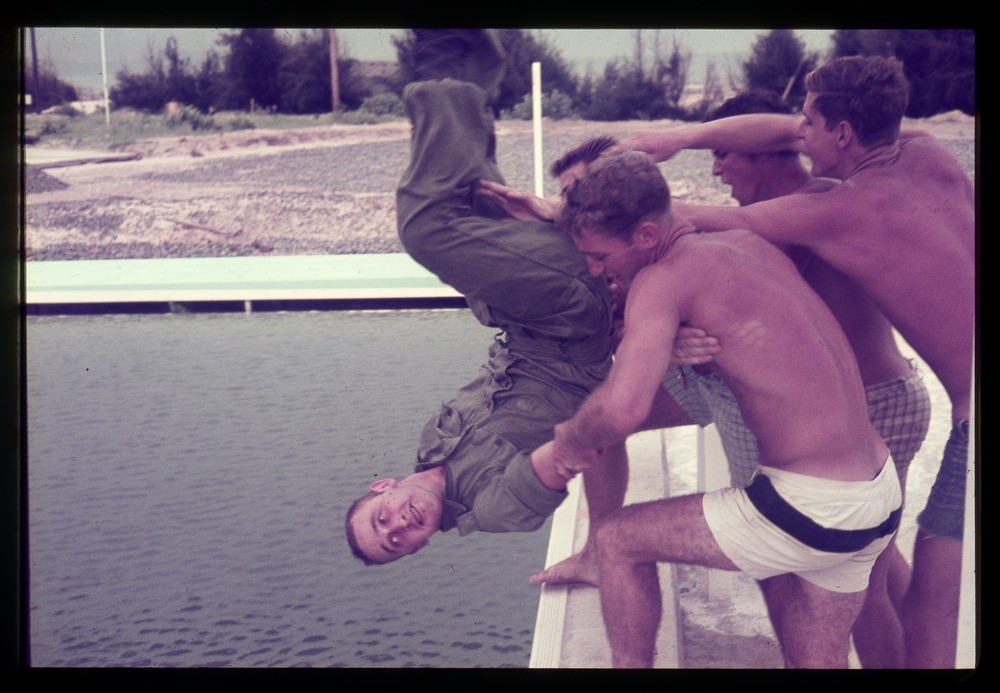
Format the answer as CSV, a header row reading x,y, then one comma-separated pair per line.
x,y
570,457
693,347
519,205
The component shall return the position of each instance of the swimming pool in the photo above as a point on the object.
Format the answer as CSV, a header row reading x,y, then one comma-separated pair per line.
x,y
188,476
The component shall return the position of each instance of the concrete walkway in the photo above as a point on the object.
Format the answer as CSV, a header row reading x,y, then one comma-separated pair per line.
x,y
55,158
247,279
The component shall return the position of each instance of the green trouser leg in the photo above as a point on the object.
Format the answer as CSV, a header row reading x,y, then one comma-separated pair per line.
x,y
515,274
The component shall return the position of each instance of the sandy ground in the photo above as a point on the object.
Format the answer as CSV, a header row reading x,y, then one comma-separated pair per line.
x,y
321,190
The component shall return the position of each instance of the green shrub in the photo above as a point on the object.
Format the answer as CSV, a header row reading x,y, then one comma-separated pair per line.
x,y
359,117
36,127
236,121
191,117
557,106
387,104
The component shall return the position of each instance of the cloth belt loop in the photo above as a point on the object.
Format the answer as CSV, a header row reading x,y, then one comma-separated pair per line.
x,y
791,521
583,353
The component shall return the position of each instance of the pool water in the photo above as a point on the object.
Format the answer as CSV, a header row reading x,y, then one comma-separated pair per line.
x,y
188,477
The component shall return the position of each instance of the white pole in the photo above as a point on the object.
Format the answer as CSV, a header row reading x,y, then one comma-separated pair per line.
x,y
966,651
104,77
536,104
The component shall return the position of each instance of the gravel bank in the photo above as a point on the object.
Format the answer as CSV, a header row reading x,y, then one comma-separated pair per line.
x,y
324,190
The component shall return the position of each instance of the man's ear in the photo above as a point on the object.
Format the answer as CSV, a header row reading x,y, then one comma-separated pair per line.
x,y
382,485
647,235
845,134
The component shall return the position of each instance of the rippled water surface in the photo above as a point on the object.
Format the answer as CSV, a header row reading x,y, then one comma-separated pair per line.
x,y
188,476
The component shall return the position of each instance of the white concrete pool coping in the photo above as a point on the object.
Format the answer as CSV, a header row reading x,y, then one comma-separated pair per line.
x,y
253,278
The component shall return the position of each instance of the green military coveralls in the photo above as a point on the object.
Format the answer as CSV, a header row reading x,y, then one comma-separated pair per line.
x,y
525,278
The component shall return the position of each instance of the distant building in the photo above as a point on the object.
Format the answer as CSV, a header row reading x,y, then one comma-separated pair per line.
x,y
85,107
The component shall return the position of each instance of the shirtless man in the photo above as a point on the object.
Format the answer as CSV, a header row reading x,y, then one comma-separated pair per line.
x,y
826,500
902,226
898,400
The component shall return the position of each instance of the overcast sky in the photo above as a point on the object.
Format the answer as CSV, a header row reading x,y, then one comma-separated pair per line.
x,y
75,53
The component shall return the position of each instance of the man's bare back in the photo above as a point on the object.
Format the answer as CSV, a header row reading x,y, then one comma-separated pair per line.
x,y
910,202
783,353
928,227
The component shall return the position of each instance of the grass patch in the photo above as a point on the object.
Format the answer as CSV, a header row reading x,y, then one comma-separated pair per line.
x,y
82,131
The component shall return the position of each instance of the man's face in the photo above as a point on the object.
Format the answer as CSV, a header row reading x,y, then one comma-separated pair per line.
x,y
566,179
739,171
398,520
820,144
619,260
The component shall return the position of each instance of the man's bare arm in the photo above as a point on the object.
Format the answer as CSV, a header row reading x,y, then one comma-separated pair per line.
x,y
758,132
621,404
805,219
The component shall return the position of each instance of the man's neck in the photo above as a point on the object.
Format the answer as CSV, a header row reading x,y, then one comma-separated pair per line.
x,y
874,157
785,181
674,230
431,479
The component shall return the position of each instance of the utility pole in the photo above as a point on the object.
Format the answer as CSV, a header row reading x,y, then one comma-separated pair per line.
x,y
334,77
104,78
638,52
36,104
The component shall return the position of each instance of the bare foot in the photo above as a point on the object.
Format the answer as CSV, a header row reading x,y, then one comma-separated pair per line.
x,y
580,567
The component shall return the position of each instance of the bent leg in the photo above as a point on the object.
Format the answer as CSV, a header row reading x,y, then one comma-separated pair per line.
x,y
878,631
774,590
900,574
930,609
816,625
513,273
900,410
605,484
452,145
629,543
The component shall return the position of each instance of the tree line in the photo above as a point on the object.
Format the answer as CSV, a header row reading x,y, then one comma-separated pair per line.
x,y
256,68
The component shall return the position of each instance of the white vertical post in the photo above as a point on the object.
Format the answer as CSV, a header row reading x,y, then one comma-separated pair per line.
x,y
104,77
713,473
965,654
536,106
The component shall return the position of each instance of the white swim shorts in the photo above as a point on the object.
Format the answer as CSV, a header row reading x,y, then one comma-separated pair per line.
x,y
827,532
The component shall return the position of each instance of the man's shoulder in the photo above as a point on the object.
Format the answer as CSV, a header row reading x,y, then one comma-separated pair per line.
x,y
923,147
817,185
693,259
